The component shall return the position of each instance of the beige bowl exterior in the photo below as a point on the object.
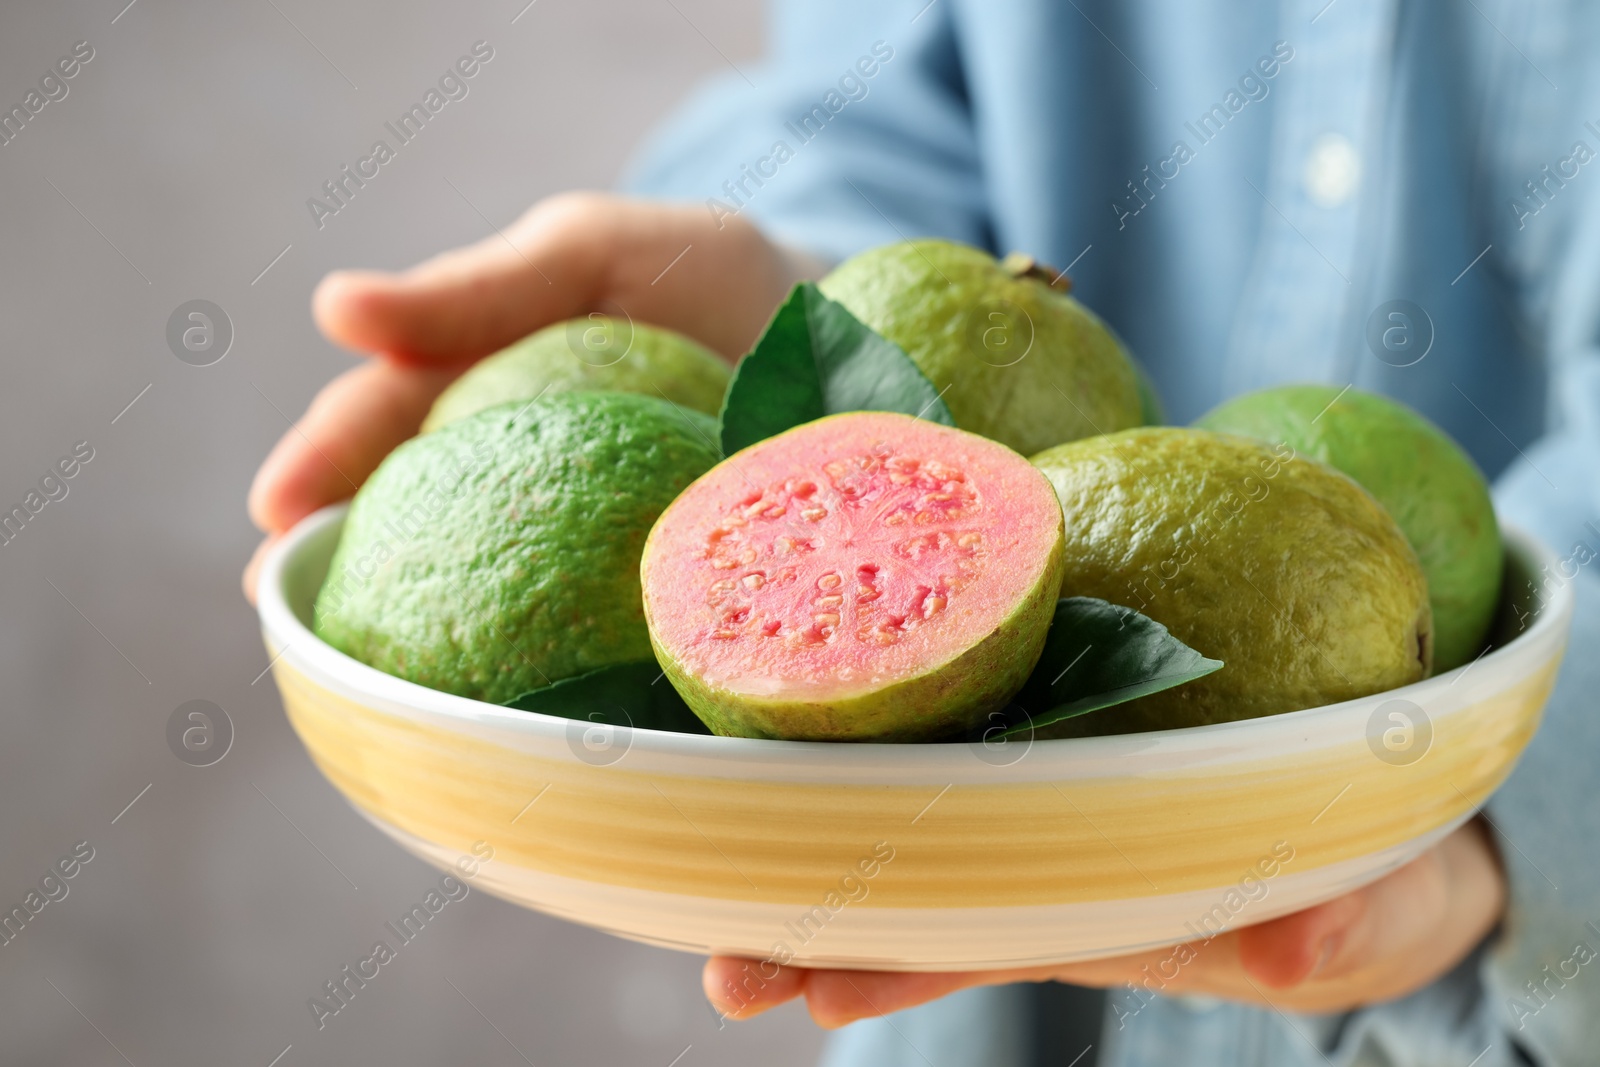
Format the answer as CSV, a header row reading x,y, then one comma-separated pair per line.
x,y
909,857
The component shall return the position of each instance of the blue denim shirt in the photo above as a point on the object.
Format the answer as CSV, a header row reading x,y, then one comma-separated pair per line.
x,y
1400,196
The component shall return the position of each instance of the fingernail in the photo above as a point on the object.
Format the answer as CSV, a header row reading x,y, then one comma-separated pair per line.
x,y
1330,947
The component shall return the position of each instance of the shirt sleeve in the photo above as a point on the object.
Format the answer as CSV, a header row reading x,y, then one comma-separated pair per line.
x,y
853,132
1542,975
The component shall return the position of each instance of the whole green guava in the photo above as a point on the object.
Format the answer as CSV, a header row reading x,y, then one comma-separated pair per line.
x,y
1017,359
501,553
1277,564
598,353
1432,488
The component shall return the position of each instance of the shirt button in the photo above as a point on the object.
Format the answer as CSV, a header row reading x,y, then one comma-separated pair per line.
x,y
1197,1004
1333,170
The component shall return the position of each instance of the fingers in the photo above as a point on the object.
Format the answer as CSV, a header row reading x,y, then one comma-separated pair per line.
x,y
715,282
1385,940
836,998
356,420
741,989
666,265
471,301
1285,952
1421,920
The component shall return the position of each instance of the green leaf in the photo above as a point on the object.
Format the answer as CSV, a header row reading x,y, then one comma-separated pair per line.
x,y
635,695
1099,654
816,359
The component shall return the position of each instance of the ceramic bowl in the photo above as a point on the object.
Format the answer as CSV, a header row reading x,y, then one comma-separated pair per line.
x,y
914,857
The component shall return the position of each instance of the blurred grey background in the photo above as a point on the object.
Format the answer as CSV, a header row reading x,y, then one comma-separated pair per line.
x,y
177,167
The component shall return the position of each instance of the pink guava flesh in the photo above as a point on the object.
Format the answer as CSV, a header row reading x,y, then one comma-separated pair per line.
x,y
864,576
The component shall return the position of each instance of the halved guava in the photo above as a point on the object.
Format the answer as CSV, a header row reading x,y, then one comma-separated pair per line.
x,y
864,577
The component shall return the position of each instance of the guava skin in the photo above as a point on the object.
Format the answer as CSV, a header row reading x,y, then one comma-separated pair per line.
x,y
1278,565
854,515
1019,362
1433,489
501,552
597,354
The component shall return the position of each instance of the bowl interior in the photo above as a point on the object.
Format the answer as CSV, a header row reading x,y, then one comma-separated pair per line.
x,y
306,567
1519,604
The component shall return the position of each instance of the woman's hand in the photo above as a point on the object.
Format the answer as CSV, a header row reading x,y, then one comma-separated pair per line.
x,y
666,265
1378,943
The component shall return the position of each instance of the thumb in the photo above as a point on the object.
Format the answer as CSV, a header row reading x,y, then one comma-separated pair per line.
x,y
471,301
1404,929
1284,952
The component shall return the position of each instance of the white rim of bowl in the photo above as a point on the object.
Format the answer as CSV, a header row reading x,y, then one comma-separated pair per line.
x,y
1306,728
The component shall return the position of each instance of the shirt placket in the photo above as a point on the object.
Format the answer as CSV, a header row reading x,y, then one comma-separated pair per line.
x,y
1321,176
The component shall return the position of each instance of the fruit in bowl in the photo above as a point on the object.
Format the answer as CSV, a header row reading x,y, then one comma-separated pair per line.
x,y
500,553
1083,693
1435,492
1021,361
1281,566
599,353
863,576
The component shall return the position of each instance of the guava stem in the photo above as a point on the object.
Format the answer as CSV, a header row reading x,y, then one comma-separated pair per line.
x,y
1022,265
